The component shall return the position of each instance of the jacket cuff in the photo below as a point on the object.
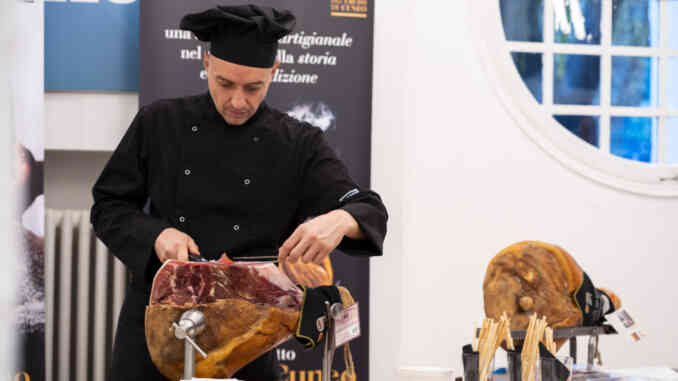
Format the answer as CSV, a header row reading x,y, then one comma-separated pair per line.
x,y
372,245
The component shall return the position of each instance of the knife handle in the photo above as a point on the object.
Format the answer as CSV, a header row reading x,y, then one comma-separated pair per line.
x,y
196,258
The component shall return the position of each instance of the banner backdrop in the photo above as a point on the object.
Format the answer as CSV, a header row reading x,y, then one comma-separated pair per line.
x,y
325,78
27,149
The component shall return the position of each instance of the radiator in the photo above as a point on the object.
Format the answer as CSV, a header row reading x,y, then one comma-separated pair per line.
x,y
84,287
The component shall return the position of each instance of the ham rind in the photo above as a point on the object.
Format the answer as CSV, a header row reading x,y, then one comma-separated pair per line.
x,y
182,283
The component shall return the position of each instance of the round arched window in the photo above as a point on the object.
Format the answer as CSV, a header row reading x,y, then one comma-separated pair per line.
x,y
599,83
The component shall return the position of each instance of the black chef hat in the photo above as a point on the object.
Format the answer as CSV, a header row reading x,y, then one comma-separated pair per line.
x,y
245,35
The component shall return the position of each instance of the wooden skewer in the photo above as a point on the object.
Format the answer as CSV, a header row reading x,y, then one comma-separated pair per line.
x,y
491,348
482,352
490,335
526,355
488,350
540,335
548,340
507,334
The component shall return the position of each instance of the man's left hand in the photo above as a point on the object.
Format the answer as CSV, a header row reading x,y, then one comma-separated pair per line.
x,y
315,239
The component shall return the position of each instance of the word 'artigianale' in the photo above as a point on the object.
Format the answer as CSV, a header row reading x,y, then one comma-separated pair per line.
x,y
308,40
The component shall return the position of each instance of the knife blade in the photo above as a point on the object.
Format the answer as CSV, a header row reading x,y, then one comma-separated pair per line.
x,y
263,258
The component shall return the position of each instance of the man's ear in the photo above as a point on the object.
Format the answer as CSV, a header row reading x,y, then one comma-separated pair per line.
x,y
206,60
275,67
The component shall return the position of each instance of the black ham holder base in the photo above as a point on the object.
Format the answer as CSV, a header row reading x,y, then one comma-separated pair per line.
x,y
551,368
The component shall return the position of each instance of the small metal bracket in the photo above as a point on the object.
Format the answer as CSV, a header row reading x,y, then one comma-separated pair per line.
x,y
327,322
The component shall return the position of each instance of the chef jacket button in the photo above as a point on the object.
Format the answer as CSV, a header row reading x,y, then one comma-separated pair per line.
x,y
182,219
187,172
194,128
247,181
256,139
236,227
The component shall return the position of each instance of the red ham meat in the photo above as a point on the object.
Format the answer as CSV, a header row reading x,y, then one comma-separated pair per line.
x,y
190,283
250,308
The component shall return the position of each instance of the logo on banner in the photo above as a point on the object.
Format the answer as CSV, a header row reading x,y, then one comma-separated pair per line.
x,y
349,8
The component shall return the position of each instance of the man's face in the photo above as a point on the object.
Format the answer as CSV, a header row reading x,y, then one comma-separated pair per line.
x,y
237,90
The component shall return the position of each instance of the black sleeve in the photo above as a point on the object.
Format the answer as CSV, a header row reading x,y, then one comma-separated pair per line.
x,y
119,197
326,186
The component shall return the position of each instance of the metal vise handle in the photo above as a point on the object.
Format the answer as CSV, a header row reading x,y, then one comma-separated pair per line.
x,y
192,322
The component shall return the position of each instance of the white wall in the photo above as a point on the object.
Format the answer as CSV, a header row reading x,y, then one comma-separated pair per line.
x,y
473,183
389,122
88,121
81,131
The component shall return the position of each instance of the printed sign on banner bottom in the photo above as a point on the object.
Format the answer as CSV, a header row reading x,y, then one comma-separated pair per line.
x,y
325,78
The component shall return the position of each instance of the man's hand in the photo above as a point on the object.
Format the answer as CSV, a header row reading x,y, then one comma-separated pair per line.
x,y
174,244
313,240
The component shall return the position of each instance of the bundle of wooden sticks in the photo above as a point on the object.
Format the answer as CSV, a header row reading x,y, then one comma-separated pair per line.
x,y
492,334
537,331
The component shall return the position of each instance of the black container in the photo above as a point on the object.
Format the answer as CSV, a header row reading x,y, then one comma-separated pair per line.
x,y
514,365
551,368
470,361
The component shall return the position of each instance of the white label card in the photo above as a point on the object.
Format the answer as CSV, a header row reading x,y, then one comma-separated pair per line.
x,y
347,325
625,325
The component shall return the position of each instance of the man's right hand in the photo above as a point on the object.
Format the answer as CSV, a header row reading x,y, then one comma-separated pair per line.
x,y
174,244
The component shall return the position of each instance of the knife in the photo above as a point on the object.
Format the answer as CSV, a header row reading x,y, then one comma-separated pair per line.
x,y
197,258
264,258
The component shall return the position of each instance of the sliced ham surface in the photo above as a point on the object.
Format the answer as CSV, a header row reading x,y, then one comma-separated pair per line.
x,y
190,283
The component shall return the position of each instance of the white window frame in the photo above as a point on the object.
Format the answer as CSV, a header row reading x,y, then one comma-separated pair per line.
x,y
536,120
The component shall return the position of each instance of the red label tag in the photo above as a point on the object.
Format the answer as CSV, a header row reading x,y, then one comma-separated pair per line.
x,y
347,325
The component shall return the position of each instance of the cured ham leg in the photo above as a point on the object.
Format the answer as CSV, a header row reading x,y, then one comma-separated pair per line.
x,y
250,308
536,277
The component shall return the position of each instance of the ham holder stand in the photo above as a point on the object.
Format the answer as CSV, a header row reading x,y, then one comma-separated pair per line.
x,y
193,322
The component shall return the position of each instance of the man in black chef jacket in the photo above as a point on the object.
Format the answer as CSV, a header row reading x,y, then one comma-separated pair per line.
x,y
224,172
